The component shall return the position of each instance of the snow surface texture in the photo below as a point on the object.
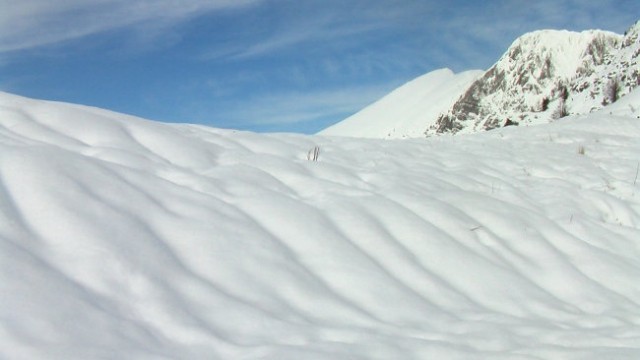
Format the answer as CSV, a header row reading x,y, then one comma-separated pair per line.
x,y
408,110
128,239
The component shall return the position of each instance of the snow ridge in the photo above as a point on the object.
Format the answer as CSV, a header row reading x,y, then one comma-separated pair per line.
x,y
123,238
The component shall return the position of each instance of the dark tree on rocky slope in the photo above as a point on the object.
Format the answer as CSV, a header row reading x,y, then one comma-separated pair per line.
x,y
611,91
561,111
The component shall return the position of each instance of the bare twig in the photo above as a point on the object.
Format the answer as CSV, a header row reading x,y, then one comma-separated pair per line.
x,y
313,154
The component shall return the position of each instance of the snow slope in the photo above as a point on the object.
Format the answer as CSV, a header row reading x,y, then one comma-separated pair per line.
x,y
407,111
123,238
628,106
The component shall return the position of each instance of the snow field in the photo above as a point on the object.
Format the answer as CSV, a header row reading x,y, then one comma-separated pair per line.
x,y
124,238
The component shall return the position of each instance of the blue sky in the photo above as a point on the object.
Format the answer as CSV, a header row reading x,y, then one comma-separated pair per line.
x,y
262,65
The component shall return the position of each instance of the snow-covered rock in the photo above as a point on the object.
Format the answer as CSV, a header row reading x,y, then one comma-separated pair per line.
x,y
122,238
628,106
544,75
616,76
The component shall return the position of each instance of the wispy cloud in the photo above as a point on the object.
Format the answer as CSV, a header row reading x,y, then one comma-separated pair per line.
x,y
300,107
466,33
320,31
502,21
475,33
288,24
27,24
327,25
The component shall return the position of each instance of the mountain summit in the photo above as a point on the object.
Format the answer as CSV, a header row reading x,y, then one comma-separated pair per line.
x,y
530,81
544,75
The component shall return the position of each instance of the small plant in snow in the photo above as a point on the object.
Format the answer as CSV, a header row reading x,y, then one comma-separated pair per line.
x,y
581,150
313,153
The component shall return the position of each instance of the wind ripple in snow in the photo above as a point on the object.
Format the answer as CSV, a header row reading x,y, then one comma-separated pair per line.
x,y
123,238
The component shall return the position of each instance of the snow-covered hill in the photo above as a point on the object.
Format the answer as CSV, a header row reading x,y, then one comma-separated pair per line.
x,y
406,111
544,75
628,106
122,238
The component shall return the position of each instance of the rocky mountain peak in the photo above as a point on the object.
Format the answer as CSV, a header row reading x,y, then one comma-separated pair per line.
x,y
544,75
541,76
632,32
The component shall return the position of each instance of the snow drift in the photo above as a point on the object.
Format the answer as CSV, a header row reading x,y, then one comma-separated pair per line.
x,y
127,239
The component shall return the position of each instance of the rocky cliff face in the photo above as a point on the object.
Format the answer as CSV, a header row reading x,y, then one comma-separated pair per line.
x,y
546,75
616,76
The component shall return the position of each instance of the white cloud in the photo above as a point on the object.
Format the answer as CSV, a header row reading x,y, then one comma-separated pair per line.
x,y
331,25
287,24
25,24
500,22
474,34
320,31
